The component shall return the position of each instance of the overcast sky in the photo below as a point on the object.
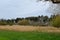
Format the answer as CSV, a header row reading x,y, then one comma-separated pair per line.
x,y
23,8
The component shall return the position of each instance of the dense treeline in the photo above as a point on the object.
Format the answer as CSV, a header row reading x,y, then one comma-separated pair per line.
x,y
30,19
39,20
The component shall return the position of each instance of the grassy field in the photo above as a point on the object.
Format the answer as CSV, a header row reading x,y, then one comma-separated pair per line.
x,y
16,35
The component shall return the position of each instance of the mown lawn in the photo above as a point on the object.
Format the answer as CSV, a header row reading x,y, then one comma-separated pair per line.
x,y
14,35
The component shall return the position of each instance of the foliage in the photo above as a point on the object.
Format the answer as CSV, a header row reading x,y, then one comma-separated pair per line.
x,y
18,19
10,22
2,23
56,21
32,18
23,22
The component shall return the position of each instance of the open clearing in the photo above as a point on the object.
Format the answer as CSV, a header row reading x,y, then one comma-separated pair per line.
x,y
30,28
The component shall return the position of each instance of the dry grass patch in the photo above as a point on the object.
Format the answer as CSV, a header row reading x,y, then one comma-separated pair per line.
x,y
30,28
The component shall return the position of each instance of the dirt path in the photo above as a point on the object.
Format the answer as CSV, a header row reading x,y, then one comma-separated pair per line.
x,y
30,28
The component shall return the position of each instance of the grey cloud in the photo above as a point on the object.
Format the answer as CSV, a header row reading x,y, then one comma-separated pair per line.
x,y
22,8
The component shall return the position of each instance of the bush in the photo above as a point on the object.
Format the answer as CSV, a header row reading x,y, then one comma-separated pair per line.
x,y
3,23
23,22
10,23
56,21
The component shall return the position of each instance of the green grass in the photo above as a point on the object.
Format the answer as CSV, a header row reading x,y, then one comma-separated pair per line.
x,y
14,35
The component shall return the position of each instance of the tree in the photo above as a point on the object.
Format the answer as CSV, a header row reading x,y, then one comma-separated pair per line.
x,y
46,19
18,19
23,22
53,1
32,18
56,21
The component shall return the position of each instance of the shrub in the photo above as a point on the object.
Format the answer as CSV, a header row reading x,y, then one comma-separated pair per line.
x,y
10,23
23,22
3,23
56,21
